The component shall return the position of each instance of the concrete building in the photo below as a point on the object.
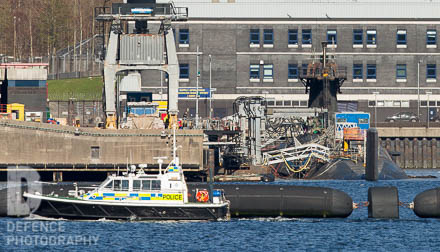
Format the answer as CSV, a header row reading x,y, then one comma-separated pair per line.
x,y
389,49
25,83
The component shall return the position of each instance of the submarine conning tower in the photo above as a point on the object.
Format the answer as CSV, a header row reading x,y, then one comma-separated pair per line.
x,y
323,80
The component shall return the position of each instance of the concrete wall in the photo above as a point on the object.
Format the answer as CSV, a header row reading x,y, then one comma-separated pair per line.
x,y
415,152
34,143
34,98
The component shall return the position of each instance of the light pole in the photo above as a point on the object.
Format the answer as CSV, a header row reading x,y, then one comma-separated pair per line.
x,y
197,90
375,108
418,88
210,87
427,105
161,85
15,37
265,95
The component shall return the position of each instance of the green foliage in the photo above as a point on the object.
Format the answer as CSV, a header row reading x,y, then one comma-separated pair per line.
x,y
87,89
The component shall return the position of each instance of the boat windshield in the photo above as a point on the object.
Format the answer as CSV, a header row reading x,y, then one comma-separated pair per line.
x,y
108,183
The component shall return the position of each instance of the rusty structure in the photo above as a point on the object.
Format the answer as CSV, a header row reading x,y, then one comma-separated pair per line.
x,y
323,80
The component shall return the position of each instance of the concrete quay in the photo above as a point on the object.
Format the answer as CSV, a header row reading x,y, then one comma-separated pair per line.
x,y
46,147
419,147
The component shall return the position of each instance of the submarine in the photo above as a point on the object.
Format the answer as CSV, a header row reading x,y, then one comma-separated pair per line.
x,y
263,200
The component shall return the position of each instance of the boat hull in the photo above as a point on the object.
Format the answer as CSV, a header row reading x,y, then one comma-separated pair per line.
x,y
79,209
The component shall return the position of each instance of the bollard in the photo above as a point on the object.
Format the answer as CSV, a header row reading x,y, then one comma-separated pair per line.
x,y
372,155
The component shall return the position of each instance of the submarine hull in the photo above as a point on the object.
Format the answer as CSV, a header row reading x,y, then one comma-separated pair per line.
x,y
283,200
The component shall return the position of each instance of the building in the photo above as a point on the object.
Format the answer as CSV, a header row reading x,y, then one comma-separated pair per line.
x,y
389,48
25,83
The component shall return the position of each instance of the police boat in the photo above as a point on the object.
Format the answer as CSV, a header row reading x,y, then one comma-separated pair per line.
x,y
136,196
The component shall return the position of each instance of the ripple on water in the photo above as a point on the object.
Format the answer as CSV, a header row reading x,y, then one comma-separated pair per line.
x,y
355,233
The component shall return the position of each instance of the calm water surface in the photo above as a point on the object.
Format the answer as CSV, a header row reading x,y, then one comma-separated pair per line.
x,y
355,233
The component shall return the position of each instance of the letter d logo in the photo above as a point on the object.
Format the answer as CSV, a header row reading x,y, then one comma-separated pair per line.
x,y
20,180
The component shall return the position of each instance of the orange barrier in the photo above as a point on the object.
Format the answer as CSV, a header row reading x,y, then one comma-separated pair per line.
x,y
353,134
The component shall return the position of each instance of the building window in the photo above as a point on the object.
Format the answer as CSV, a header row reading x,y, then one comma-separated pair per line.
x,y
371,37
431,72
357,71
254,37
371,71
401,71
431,37
307,37
293,37
293,71
254,72
401,37
184,71
304,69
184,36
358,37
268,36
332,37
268,71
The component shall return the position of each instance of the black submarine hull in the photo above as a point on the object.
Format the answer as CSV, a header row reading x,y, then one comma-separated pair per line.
x,y
253,200
261,200
427,203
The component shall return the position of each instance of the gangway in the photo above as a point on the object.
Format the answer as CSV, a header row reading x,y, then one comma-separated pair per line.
x,y
297,153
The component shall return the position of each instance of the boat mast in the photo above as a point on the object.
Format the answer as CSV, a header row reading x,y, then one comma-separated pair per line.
x,y
175,159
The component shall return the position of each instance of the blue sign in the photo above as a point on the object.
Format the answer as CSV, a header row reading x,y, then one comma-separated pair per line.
x,y
361,119
191,93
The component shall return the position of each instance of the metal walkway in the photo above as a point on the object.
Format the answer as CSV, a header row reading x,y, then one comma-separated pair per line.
x,y
297,153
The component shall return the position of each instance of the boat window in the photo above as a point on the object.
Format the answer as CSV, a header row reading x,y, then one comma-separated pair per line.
x,y
136,185
155,185
124,185
109,185
146,184
117,185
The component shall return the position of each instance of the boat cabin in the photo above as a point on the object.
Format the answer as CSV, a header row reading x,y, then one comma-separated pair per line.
x,y
167,187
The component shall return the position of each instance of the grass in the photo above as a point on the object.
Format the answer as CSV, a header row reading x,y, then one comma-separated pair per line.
x,y
84,89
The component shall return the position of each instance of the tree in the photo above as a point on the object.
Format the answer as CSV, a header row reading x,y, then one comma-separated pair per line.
x,y
42,27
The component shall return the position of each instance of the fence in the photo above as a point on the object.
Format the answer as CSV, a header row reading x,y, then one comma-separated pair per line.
x,y
73,66
90,113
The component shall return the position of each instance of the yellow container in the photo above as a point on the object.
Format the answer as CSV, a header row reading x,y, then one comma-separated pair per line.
x,y
18,109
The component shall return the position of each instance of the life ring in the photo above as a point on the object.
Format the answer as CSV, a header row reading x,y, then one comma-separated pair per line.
x,y
202,196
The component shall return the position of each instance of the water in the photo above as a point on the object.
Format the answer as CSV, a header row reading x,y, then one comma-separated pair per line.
x,y
355,233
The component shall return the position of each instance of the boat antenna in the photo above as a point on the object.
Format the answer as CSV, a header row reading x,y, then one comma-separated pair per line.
x,y
176,162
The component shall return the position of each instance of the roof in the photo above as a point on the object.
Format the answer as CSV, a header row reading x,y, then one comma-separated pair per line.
x,y
306,9
23,65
